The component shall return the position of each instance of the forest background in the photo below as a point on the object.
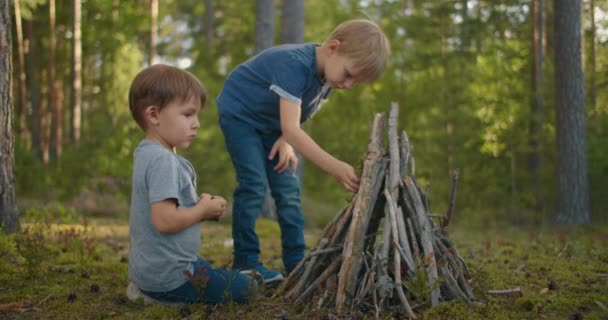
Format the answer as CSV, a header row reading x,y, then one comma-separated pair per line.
x,y
475,81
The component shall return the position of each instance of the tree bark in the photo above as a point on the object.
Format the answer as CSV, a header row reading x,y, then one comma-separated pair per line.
x,y
8,208
573,181
264,24
592,86
153,30
535,158
264,38
55,134
209,24
292,21
31,68
76,92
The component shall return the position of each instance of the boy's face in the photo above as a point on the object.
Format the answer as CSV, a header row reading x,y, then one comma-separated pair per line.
x,y
340,71
176,124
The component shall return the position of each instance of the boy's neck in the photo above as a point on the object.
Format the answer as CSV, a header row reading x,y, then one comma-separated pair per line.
x,y
320,61
152,136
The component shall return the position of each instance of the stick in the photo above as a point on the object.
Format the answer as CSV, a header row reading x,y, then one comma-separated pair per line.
x,y
396,256
333,267
364,202
425,240
507,292
451,205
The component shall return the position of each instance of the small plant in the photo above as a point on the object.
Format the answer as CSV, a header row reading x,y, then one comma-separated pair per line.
x,y
199,279
31,245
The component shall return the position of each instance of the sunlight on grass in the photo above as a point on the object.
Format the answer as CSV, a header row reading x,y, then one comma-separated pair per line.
x,y
63,271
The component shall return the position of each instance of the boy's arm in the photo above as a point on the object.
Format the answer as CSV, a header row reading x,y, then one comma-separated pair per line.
x,y
301,141
168,218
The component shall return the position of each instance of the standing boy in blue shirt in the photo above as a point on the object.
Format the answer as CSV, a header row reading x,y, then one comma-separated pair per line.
x,y
262,105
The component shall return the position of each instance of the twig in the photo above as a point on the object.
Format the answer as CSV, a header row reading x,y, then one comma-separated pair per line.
x,y
506,292
452,202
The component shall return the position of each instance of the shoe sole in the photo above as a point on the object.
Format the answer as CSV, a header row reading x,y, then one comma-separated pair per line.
x,y
135,295
274,281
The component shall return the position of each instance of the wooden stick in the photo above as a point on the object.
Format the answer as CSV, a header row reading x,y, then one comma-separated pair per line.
x,y
404,243
405,154
333,267
324,251
365,200
507,292
396,256
425,240
450,212
304,279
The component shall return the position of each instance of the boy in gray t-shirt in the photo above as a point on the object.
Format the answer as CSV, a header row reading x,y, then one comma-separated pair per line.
x,y
166,211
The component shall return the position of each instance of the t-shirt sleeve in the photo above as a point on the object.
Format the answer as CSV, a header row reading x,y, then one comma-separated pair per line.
x,y
289,79
162,178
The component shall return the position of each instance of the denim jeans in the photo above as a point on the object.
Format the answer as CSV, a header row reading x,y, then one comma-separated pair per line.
x,y
249,149
210,286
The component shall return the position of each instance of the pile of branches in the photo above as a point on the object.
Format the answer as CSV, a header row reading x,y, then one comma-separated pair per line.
x,y
384,252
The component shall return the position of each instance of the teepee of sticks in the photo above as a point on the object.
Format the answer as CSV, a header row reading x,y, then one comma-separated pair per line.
x,y
407,264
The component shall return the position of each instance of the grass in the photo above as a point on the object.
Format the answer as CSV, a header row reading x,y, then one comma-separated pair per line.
x,y
79,271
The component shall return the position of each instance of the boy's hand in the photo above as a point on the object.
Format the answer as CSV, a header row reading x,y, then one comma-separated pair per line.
x,y
345,175
287,157
212,207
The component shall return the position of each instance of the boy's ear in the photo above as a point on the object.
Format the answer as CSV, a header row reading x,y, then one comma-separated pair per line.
x,y
151,113
333,45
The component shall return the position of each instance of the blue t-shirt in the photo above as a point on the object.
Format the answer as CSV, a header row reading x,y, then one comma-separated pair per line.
x,y
252,90
157,261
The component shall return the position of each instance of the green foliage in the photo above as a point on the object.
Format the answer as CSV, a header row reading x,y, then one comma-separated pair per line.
x,y
462,82
52,212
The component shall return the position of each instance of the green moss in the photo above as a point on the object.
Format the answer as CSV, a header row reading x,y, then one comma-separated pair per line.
x,y
63,274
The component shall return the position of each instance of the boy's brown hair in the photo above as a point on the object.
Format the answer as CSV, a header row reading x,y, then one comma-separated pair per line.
x,y
363,41
159,85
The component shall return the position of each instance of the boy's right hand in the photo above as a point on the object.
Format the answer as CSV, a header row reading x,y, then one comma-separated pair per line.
x,y
345,175
212,207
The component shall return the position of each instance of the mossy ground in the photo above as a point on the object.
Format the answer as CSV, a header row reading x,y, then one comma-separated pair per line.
x,y
79,271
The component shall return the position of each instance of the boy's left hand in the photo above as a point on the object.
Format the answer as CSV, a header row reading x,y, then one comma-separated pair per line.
x,y
287,157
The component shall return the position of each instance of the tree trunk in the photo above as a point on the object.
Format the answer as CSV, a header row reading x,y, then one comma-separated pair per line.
x,y
153,30
8,208
592,88
22,113
537,106
209,24
264,24
76,92
264,38
55,145
292,21
31,68
465,35
573,181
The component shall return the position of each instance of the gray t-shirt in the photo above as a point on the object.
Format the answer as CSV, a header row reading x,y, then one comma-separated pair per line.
x,y
157,261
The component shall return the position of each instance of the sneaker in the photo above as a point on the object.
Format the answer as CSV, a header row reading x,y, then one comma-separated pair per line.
x,y
135,295
268,277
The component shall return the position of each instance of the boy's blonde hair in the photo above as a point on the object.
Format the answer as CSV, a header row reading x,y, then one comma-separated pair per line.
x,y
159,85
363,41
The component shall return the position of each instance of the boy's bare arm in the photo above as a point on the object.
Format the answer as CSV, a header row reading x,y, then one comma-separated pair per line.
x,y
168,218
301,141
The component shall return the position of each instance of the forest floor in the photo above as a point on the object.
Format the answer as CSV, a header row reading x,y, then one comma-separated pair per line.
x,y
79,271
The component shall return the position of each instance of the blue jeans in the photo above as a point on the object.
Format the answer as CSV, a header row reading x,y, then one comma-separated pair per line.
x,y
210,286
249,149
